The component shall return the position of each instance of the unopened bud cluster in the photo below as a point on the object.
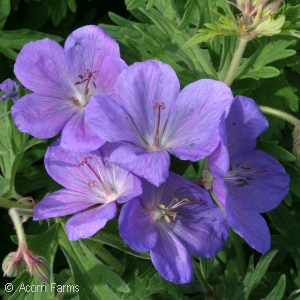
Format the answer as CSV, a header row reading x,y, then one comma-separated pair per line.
x,y
15,262
257,18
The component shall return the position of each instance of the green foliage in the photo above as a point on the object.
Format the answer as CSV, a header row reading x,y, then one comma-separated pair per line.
x,y
15,40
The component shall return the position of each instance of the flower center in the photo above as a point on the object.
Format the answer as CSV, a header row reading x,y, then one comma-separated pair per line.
x,y
241,175
87,86
167,211
156,141
110,195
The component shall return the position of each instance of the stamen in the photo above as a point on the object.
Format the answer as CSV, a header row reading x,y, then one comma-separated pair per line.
x,y
166,211
88,76
85,162
159,106
239,174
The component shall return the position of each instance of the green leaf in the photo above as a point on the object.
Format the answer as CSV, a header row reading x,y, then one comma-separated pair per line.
x,y
57,11
15,40
194,57
294,178
150,4
151,283
288,226
72,5
267,52
278,291
283,97
134,4
114,240
4,11
44,244
254,275
89,274
190,10
275,150
206,265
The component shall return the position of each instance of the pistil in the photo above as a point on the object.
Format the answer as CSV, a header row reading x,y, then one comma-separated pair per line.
x,y
85,162
159,106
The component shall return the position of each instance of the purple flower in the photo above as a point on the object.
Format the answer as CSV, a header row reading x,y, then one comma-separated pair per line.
x,y
93,186
154,118
246,182
172,221
10,90
63,81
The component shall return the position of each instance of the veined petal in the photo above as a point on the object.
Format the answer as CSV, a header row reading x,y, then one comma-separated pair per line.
x,y
62,203
219,159
41,116
203,230
85,224
197,112
220,190
249,224
137,226
91,173
244,123
78,136
153,166
85,49
41,67
108,73
102,113
268,183
171,258
139,88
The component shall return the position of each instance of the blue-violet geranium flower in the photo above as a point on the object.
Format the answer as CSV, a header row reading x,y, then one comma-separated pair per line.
x,y
172,222
94,186
154,118
63,80
10,90
246,182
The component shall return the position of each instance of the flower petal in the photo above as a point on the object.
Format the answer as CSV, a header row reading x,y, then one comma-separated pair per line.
x,y
171,258
139,88
153,166
269,182
220,190
85,224
249,224
197,112
41,116
244,123
102,113
137,226
78,136
203,230
41,67
85,49
107,76
62,203
219,159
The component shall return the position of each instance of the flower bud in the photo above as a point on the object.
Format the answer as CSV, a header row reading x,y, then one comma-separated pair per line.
x,y
41,270
13,264
38,266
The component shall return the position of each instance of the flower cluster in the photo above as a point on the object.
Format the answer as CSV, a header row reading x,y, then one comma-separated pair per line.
x,y
119,125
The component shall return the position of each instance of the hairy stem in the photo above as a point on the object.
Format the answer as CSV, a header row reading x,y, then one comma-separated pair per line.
x,y
236,60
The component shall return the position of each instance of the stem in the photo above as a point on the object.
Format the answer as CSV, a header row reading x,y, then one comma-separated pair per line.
x,y
280,114
209,294
240,252
13,212
236,60
11,204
